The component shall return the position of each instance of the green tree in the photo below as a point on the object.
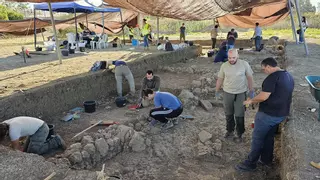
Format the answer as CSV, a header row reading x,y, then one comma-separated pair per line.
x,y
13,15
306,6
3,13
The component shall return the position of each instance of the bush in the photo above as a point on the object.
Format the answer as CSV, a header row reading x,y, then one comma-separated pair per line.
x,y
12,15
3,13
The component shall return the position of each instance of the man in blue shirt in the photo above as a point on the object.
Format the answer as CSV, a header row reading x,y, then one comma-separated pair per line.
x,y
166,105
121,69
275,100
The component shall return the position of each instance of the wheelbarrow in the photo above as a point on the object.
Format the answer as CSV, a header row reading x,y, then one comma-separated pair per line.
x,y
314,84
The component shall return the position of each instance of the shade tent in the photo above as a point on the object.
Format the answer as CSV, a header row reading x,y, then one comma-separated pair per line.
x,y
73,7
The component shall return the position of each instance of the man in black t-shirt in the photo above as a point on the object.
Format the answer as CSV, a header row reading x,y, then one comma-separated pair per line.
x,y
275,100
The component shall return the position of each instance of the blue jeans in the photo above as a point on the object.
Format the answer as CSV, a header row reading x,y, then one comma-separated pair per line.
x,y
262,143
301,37
257,42
145,40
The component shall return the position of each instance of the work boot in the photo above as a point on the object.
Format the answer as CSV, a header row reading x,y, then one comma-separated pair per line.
x,y
229,135
168,125
238,139
61,142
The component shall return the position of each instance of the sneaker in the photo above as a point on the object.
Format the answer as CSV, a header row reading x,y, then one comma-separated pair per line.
x,y
229,135
168,125
153,122
242,167
175,121
61,142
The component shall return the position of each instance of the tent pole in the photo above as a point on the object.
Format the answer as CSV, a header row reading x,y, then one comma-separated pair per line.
x,y
75,20
301,28
292,22
158,30
55,34
34,28
124,41
102,22
87,20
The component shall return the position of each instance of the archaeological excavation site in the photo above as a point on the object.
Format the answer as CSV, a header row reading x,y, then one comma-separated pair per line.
x,y
128,148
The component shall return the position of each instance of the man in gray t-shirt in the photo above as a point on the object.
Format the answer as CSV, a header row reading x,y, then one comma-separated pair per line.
x,y
37,132
150,81
236,77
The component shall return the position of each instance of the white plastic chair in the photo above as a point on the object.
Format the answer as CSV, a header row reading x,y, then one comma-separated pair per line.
x,y
71,40
93,44
103,41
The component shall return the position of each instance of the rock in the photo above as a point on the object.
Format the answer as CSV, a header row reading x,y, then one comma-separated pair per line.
x,y
217,145
101,146
203,150
190,70
75,146
196,83
137,142
206,105
90,149
210,90
75,158
148,142
85,155
110,144
125,133
86,140
209,81
204,91
197,91
204,136
218,154
188,99
130,125
107,135
138,127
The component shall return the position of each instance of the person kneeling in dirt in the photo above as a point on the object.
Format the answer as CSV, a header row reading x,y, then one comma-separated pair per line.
x,y
167,106
150,81
37,132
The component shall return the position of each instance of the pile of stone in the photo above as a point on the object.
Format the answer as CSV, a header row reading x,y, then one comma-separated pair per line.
x,y
208,148
90,150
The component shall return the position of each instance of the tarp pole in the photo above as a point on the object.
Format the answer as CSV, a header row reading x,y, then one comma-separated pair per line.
x,y
158,31
87,20
292,22
301,28
34,28
75,20
102,22
124,41
55,34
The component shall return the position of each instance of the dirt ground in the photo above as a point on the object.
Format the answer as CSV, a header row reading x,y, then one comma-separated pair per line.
x,y
179,158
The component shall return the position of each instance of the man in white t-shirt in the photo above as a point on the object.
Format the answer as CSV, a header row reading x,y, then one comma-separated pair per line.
x,y
37,132
236,77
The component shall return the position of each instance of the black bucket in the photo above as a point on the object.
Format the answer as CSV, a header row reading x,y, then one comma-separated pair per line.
x,y
82,49
65,52
51,130
38,48
89,106
71,51
114,45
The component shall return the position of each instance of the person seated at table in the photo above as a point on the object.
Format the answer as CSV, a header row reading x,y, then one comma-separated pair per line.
x,y
85,35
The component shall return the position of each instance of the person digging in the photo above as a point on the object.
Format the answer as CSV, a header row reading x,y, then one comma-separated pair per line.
x,y
37,132
166,105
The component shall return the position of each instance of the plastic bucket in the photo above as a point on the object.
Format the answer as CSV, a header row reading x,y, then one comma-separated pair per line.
x,y
134,42
51,130
82,49
65,52
89,106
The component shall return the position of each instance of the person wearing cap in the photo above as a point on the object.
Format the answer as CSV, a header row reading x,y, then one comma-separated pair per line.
x,y
37,132
121,69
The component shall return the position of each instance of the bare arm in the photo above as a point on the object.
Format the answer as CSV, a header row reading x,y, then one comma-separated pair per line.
x,y
262,96
15,144
219,84
250,82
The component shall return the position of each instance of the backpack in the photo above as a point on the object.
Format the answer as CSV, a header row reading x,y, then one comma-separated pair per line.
x,y
98,65
168,46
